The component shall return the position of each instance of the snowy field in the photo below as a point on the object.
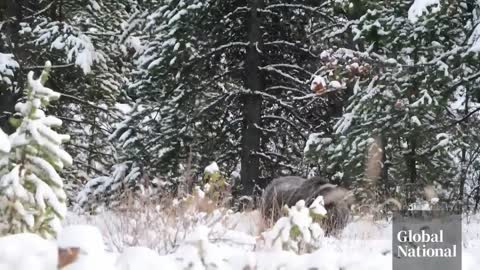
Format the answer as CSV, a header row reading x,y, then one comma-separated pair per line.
x,y
215,240
223,240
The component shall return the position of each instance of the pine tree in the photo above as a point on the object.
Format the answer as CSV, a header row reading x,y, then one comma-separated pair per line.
x,y
32,195
418,54
91,65
224,80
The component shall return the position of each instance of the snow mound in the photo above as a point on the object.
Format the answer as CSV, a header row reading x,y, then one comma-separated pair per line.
x,y
335,85
318,83
92,254
133,258
364,244
86,237
212,168
4,142
418,8
27,251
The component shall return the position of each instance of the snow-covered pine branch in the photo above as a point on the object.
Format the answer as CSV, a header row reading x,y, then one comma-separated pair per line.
x,y
77,46
7,67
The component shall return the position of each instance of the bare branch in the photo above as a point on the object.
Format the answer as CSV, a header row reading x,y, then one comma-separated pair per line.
x,y
84,102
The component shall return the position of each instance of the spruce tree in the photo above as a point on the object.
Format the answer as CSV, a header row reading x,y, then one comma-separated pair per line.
x,y
32,198
91,64
417,55
225,81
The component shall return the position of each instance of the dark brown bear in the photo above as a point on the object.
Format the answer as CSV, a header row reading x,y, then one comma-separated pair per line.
x,y
288,190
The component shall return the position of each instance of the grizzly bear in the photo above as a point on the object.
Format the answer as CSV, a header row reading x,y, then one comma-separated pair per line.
x,y
288,190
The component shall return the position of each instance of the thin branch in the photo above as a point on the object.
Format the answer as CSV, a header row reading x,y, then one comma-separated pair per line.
x,y
237,10
289,44
99,172
283,74
318,31
284,88
296,67
90,150
84,102
42,10
222,47
466,116
53,66
100,34
82,122
299,6
274,117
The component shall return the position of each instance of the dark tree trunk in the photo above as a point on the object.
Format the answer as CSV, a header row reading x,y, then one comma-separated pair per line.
x,y
388,188
477,196
252,106
412,172
464,168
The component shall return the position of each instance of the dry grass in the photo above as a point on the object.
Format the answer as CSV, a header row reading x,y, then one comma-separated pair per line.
x,y
161,224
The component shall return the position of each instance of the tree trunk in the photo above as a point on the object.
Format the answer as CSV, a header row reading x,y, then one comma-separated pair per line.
x,y
464,167
412,172
252,106
388,188
477,196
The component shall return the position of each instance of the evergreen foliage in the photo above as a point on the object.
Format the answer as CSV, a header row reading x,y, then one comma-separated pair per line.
x,y
382,97
32,198
404,107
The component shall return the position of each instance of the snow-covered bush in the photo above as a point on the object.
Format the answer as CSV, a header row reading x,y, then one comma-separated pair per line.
x,y
299,230
215,183
32,198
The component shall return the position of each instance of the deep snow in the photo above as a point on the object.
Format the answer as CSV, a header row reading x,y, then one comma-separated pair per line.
x,y
221,240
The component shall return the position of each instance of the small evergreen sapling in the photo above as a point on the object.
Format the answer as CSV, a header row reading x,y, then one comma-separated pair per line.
x,y
32,198
215,184
299,231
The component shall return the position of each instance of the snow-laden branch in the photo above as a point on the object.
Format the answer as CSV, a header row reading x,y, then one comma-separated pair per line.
x,y
285,88
236,11
327,27
266,130
264,11
229,45
297,6
283,74
308,96
340,31
269,96
290,66
84,102
212,104
286,43
53,66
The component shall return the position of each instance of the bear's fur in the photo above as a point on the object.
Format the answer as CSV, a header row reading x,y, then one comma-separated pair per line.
x,y
288,190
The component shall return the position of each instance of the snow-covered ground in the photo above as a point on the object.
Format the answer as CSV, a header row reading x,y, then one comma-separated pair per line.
x,y
218,240
225,240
